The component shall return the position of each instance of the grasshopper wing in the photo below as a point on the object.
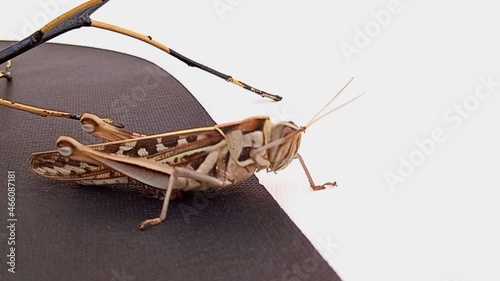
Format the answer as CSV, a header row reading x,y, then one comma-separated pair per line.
x,y
52,165
175,149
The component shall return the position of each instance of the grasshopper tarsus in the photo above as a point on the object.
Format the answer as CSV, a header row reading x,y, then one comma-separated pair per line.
x,y
318,187
323,186
147,224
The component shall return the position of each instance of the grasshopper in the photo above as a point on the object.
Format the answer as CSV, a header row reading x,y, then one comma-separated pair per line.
x,y
165,164
194,159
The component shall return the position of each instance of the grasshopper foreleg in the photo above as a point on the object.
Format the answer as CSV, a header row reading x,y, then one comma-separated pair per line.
x,y
311,182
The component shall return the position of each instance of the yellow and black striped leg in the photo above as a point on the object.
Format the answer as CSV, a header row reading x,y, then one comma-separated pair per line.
x,y
45,112
6,73
311,182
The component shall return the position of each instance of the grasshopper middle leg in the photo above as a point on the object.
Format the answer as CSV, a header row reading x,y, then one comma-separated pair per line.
x,y
179,172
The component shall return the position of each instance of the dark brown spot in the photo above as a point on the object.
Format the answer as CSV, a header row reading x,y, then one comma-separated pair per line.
x,y
245,154
111,148
148,144
176,159
192,138
170,141
150,38
195,163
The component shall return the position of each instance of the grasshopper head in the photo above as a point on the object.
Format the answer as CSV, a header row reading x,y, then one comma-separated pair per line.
x,y
285,136
281,155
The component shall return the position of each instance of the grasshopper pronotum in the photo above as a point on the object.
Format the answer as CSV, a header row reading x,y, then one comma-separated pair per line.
x,y
193,159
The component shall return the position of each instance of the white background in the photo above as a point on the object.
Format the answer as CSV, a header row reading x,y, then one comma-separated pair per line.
x,y
442,222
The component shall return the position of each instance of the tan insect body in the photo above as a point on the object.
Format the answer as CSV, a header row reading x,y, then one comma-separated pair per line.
x,y
194,159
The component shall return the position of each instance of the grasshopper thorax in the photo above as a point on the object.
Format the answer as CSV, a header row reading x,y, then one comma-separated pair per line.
x,y
287,135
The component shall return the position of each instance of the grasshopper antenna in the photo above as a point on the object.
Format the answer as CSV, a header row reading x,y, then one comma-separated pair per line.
x,y
315,118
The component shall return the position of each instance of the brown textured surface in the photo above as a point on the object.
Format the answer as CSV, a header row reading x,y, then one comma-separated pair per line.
x,y
70,232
